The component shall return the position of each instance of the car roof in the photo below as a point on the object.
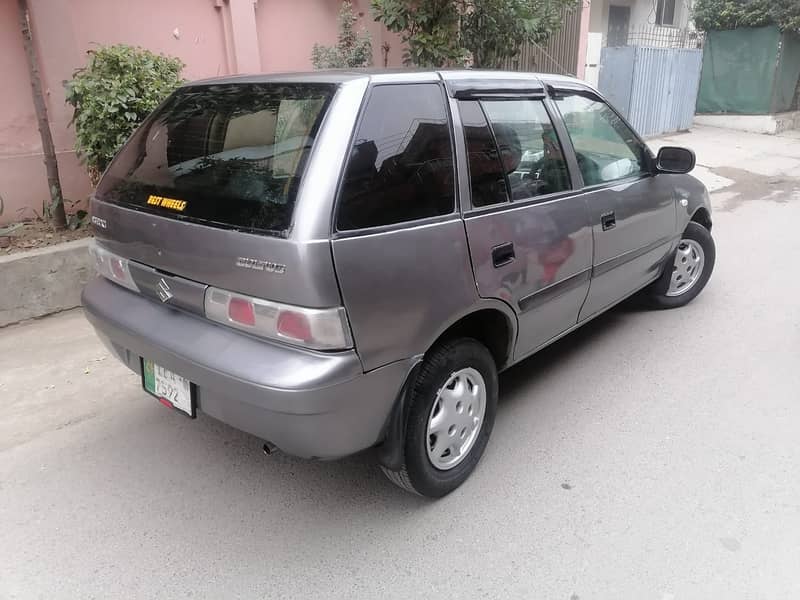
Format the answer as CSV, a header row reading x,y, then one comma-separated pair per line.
x,y
401,75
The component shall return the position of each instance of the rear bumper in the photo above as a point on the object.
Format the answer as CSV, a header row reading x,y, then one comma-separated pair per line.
x,y
309,404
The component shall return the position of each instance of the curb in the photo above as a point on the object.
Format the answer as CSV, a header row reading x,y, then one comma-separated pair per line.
x,y
43,281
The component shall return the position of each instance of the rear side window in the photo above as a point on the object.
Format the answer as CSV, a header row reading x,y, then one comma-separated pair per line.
x,y
529,148
228,155
401,164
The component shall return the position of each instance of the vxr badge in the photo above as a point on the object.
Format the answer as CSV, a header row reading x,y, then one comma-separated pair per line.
x,y
163,291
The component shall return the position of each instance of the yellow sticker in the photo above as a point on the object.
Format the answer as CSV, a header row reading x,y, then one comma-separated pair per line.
x,y
171,203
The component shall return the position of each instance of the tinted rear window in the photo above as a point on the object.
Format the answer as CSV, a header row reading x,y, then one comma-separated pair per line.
x,y
229,155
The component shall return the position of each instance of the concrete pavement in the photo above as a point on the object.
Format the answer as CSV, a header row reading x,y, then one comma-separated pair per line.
x,y
648,455
757,164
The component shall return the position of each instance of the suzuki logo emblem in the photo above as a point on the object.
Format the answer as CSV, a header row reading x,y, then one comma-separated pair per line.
x,y
163,291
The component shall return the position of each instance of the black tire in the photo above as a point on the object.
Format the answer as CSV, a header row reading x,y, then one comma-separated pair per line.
x,y
656,294
418,474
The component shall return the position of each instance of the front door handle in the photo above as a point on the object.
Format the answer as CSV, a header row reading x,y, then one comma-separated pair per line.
x,y
503,254
608,220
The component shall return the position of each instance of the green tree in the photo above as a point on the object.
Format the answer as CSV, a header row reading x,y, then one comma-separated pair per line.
x,y
452,32
786,14
119,87
733,14
429,29
494,30
353,48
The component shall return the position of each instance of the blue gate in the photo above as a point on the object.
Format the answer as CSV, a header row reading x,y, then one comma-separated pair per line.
x,y
654,88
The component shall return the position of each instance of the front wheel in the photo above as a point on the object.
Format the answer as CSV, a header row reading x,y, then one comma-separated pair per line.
x,y
685,278
451,416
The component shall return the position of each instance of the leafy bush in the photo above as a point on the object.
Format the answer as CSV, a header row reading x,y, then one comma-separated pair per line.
x,y
352,49
733,14
428,29
119,87
482,32
494,30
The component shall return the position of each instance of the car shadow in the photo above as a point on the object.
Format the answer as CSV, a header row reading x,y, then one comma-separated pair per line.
x,y
175,456
561,354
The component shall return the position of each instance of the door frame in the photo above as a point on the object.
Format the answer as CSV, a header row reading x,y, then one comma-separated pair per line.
x,y
650,173
545,295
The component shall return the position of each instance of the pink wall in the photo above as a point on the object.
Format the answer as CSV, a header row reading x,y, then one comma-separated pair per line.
x,y
310,22
21,170
65,30
199,42
17,119
213,37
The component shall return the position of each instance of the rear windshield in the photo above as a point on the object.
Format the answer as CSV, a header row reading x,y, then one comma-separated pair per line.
x,y
228,155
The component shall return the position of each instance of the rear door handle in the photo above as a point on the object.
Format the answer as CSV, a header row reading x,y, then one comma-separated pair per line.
x,y
608,220
503,254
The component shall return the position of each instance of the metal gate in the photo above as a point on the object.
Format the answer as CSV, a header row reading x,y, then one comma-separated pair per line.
x,y
654,88
559,54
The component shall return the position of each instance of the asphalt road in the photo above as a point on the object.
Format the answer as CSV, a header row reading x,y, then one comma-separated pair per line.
x,y
649,455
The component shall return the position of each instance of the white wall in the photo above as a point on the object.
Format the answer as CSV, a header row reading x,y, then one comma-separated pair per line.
x,y
598,17
643,16
643,13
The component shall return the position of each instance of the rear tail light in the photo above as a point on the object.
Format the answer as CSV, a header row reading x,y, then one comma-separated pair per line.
x,y
242,311
319,329
112,267
294,325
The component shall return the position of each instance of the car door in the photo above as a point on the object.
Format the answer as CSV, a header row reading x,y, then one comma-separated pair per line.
x,y
633,213
528,233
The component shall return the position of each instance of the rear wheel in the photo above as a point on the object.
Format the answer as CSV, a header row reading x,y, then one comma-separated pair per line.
x,y
451,416
689,272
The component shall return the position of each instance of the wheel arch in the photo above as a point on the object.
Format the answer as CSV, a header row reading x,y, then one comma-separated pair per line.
x,y
703,217
493,324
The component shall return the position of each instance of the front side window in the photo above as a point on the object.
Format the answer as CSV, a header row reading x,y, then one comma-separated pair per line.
x,y
529,148
606,148
225,155
401,164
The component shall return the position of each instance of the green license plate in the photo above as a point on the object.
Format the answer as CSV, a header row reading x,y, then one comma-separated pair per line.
x,y
171,389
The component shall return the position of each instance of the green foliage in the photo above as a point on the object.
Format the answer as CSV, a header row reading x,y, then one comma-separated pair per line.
x,y
496,29
429,29
733,14
453,32
119,87
352,49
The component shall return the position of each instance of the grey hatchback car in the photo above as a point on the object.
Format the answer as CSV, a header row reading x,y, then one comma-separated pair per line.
x,y
336,261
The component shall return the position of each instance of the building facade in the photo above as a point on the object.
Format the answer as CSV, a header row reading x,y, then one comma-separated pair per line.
x,y
654,23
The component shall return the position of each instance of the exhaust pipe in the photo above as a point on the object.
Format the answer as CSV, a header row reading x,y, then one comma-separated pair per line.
x,y
270,448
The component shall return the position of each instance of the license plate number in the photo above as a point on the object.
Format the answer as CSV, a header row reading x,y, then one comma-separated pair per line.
x,y
170,388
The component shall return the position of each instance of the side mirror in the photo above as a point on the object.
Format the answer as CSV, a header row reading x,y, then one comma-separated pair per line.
x,y
672,159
